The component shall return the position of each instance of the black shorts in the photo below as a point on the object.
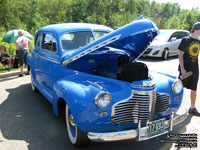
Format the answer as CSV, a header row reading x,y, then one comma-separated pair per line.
x,y
191,81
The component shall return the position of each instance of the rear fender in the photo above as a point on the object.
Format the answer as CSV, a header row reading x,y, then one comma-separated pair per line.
x,y
30,63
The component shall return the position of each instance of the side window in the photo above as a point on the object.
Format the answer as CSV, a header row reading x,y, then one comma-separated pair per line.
x,y
184,34
179,35
49,42
173,36
38,40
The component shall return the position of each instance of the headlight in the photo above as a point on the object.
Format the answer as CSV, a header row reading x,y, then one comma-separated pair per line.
x,y
177,86
103,99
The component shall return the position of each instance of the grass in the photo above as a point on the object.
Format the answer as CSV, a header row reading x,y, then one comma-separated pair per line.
x,y
8,70
5,68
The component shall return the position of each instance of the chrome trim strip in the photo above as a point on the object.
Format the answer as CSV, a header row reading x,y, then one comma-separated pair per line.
x,y
91,49
139,130
54,61
95,84
151,99
171,122
145,85
133,134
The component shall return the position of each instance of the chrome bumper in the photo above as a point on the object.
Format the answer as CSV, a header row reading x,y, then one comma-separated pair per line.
x,y
138,134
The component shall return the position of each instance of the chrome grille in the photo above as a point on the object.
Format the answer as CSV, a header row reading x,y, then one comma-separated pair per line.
x,y
141,106
162,103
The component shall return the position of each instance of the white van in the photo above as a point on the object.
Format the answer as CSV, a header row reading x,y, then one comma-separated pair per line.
x,y
166,43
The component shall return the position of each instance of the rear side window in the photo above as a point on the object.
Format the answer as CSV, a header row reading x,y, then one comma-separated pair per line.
x,y
183,34
49,42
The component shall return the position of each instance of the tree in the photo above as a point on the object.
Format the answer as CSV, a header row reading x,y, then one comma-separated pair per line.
x,y
32,14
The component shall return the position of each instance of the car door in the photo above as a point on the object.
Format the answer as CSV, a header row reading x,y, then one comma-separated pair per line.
x,y
174,41
180,35
35,57
47,64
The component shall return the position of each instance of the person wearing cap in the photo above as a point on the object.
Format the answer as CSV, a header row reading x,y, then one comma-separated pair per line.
x,y
22,44
188,62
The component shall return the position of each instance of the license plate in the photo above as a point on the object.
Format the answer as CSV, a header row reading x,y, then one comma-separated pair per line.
x,y
155,127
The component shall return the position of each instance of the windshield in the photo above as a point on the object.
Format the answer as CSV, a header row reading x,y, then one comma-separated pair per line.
x,y
164,35
76,40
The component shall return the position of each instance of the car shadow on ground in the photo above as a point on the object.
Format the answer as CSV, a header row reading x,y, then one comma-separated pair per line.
x,y
9,78
30,118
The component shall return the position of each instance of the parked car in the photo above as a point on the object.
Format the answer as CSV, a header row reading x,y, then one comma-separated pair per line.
x,y
166,43
107,95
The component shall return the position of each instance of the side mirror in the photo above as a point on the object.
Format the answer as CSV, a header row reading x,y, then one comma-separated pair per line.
x,y
173,39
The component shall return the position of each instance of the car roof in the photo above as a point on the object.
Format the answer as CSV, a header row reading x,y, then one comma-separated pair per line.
x,y
172,30
68,27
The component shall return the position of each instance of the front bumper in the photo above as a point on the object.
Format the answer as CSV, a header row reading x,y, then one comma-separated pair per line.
x,y
139,133
153,52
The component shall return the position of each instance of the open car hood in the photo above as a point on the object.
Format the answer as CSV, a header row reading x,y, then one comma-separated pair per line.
x,y
133,38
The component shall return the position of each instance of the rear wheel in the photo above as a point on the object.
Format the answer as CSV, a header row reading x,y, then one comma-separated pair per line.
x,y
77,137
32,84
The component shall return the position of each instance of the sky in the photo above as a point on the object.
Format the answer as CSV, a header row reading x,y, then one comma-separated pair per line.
x,y
184,4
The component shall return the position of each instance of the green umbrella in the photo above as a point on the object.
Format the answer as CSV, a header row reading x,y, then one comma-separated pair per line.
x,y
12,35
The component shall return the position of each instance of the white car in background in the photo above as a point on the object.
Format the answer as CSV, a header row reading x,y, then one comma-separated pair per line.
x,y
166,43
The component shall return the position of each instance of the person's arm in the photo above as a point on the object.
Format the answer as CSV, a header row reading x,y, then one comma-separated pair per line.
x,y
181,62
29,42
17,47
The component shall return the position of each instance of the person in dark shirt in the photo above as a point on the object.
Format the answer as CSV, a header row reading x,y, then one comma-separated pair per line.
x,y
5,57
188,62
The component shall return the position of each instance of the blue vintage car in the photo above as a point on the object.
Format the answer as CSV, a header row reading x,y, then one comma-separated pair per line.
x,y
107,95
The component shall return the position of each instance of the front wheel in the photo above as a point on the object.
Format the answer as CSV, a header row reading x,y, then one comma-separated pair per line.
x,y
77,137
165,54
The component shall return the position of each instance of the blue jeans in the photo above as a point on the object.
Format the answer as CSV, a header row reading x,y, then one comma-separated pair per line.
x,y
22,55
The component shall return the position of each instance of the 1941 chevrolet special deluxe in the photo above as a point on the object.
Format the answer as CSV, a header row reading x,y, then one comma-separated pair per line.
x,y
107,95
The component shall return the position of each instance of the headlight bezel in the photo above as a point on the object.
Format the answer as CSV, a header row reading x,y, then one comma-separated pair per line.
x,y
100,95
177,86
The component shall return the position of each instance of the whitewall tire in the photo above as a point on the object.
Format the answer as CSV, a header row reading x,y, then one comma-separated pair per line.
x,y
77,137
32,84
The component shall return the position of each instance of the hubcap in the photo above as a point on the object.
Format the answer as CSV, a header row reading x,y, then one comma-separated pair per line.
x,y
71,125
71,121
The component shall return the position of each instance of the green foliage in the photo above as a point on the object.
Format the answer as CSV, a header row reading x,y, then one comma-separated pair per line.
x,y
30,15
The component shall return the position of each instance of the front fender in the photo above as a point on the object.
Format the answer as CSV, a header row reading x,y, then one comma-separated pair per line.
x,y
75,94
166,87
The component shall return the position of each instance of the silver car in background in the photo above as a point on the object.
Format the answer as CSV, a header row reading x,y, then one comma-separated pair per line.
x,y
166,43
